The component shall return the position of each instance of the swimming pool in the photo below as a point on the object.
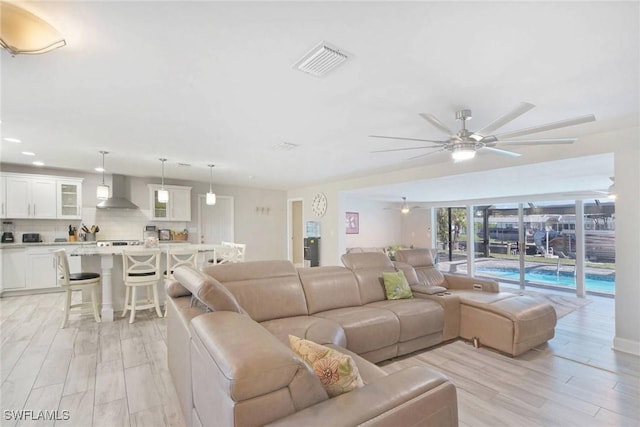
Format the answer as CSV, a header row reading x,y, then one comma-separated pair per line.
x,y
564,279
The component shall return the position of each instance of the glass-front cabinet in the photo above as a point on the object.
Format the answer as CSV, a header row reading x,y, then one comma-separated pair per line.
x,y
178,208
69,199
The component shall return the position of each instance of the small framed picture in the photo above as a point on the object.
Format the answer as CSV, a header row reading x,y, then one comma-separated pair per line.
x,y
353,222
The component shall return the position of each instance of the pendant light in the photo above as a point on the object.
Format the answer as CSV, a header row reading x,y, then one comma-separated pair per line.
x,y
405,207
163,195
211,196
103,189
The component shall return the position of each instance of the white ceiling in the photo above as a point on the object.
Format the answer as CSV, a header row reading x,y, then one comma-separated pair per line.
x,y
212,82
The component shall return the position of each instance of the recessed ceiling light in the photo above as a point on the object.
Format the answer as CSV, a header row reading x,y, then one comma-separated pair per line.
x,y
99,169
28,153
16,140
38,163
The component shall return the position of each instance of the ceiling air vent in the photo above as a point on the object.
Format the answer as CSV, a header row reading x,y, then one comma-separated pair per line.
x,y
321,59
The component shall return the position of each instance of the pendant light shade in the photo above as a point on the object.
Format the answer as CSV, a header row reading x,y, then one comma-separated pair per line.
x,y
102,192
163,195
405,207
211,196
22,32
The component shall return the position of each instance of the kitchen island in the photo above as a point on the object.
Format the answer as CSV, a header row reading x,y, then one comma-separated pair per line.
x,y
108,259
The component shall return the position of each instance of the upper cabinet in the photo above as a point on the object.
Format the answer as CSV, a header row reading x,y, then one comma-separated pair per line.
x,y
69,199
178,208
31,197
41,197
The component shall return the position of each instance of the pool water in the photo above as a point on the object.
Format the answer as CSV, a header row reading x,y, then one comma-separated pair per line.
x,y
593,282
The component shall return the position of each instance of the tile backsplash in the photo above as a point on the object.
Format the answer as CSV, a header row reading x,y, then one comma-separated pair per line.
x,y
115,224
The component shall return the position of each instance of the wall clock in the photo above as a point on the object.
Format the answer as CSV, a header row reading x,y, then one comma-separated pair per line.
x,y
319,204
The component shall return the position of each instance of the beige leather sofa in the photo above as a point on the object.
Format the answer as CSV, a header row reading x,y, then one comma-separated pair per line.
x,y
476,308
236,368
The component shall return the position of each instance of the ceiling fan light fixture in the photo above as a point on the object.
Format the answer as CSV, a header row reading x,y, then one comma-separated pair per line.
x,y
461,152
22,32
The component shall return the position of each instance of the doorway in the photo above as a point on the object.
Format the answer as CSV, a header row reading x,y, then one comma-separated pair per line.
x,y
216,222
296,232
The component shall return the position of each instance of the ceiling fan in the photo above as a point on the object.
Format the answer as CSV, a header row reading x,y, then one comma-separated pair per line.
x,y
464,144
404,208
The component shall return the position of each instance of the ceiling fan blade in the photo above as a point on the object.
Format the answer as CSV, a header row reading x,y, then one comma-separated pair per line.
x,y
522,108
545,141
408,139
437,123
548,126
404,149
503,152
427,154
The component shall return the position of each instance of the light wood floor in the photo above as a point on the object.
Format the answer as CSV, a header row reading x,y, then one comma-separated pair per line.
x,y
115,374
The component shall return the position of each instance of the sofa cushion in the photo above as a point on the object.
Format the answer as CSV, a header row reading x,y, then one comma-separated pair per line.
x,y
367,328
329,287
336,371
396,285
418,317
367,269
422,261
265,289
207,290
316,329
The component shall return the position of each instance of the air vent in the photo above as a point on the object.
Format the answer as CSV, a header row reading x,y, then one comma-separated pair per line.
x,y
285,146
321,59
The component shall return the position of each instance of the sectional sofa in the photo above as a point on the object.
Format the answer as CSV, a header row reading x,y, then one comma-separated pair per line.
x,y
229,355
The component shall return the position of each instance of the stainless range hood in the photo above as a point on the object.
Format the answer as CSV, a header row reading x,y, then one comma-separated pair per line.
x,y
119,195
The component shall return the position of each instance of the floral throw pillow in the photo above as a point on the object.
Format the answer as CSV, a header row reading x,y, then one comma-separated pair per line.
x,y
396,285
336,371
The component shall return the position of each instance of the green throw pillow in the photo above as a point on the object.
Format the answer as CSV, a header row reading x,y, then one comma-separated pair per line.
x,y
396,285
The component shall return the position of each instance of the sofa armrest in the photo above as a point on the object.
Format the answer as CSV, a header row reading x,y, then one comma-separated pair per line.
x,y
458,282
412,396
243,375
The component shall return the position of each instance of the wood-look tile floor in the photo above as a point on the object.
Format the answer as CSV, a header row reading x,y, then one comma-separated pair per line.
x,y
115,374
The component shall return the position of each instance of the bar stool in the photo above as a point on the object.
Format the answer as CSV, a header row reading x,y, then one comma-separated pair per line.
x,y
140,268
175,258
76,282
232,252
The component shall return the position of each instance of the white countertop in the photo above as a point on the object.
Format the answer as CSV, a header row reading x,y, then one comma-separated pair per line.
x,y
38,244
117,250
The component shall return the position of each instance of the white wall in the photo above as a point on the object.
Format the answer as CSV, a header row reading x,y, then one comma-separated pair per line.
x,y
416,229
627,180
380,224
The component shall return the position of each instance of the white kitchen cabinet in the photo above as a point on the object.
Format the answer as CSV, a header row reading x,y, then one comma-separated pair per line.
x,y
30,196
13,268
178,208
41,270
69,193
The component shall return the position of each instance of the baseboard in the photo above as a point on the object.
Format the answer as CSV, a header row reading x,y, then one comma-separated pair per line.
x,y
626,346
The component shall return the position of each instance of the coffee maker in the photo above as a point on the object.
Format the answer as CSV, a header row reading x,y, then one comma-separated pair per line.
x,y
7,232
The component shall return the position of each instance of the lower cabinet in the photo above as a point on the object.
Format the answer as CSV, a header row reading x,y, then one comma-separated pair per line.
x,y
13,268
41,267
32,268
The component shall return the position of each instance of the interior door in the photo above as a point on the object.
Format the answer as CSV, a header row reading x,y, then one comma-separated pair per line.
x,y
216,222
297,244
